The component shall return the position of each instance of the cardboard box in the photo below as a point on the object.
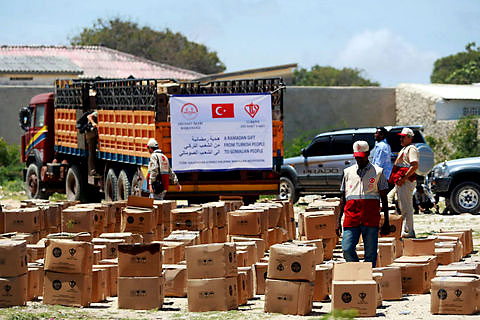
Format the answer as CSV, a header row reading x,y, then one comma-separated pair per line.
x,y
127,237
414,277
100,289
13,291
242,258
218,294
67,289
319,225
111,251
81,220
288,297
321,283
391,282
173,252
291,263
461,237
419,247
260,269
317,244
242,288
13,258
463,267
112,278
261,246
386,254
468,238
68,256
396,222
245,222
22,220
191,218
34,290
454,295
377,276
455,245
250,281
140,293
137,220
354,288
139,260
431,261
175,280
445,256
216,260
189,238
250,248
329,245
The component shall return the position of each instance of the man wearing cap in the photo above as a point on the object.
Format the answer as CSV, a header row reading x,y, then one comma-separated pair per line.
x,y
404,177
363,187
159,172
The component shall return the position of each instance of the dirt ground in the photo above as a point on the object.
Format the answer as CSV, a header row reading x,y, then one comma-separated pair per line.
x,y
410,307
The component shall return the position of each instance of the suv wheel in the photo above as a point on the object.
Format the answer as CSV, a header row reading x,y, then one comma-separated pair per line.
x,y
287,190
465,198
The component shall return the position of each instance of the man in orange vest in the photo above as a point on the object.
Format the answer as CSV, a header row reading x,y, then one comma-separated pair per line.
x,y
363,186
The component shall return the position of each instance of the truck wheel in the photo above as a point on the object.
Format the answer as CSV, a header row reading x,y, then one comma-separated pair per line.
x,y
287,190
32,183
136,185
74,184
124,188
465,198
111,186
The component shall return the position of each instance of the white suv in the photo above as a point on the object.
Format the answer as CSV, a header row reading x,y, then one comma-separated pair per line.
x,y
319,169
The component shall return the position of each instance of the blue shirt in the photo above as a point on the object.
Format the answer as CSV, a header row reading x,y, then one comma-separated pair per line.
x,y
382,157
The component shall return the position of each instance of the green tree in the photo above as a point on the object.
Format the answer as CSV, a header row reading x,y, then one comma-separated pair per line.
x,y
162,46
330,76
464,138
10,164
459,68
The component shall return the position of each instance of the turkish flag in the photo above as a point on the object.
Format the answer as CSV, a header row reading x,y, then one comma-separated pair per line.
x,y
222,110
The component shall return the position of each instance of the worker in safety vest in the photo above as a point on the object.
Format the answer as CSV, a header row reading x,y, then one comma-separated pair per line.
x,y
363,187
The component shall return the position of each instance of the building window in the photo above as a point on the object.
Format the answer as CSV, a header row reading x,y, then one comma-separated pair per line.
x,y
21,78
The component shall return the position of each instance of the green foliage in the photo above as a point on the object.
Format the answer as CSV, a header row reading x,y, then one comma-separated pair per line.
x,y
162,46
439,148
295,147
330,76
465,138
340,314
459,68
10,163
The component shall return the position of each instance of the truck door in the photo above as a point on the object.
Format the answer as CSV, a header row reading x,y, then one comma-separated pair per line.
x,y
36,133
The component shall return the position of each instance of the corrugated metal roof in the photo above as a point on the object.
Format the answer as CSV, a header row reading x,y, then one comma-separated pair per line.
x,y
41,64
445,91
97,61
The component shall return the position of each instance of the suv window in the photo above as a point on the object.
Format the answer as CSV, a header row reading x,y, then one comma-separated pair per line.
x,y
394,139
318,147
341,144
369,137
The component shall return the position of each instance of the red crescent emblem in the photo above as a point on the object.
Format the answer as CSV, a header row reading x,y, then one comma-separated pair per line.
x,y
372,180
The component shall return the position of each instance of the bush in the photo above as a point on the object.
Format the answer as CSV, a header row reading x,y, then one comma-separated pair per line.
x,y
294,148
10,163
439,148
464,138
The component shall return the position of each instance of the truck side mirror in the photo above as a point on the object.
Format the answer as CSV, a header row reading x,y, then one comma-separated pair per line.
x,y
24,118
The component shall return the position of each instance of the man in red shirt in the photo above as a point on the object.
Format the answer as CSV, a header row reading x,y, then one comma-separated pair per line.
x,y
363,186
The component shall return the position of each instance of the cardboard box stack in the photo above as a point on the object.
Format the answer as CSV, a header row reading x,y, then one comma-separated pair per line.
x,y
395,235
82,219
249,222
140,279
219,227
319,225
68,273
354,288
290,279
13,273
212,274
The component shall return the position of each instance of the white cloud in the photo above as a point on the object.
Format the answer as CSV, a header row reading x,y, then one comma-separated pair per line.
x,y
387,58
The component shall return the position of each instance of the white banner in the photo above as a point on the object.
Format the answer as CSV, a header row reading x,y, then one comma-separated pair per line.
x,y
221,132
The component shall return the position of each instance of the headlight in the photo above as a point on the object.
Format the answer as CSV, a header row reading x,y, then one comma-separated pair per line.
x,y
440,171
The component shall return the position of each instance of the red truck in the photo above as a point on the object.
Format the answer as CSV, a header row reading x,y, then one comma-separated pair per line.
x,y
130,111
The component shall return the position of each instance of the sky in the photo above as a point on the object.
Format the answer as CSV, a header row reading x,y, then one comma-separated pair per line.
x,y
392,41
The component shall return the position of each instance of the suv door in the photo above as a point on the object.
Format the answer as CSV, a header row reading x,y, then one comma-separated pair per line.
x,y
340,157
311,173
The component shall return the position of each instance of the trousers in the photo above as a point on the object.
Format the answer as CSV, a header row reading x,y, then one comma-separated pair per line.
x,y
351,235
405,202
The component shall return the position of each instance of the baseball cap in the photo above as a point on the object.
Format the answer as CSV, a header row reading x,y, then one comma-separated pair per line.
x,y
360,149
406,132
152,143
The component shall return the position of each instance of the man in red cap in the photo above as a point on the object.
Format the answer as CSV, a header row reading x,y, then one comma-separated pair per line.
x,y
404,177
363,186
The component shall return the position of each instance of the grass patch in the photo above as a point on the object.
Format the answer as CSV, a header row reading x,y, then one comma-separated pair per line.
x,y
58,197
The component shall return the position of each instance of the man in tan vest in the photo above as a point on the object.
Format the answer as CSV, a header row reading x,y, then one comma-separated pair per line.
x,y
363,186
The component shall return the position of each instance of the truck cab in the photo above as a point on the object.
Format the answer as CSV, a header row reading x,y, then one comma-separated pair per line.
x,y
37,144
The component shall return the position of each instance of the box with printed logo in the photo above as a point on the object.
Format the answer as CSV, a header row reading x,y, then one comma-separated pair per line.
x,y
13,291
319,225
67,289
455,295
191,218
22,220
218,294
140,293
214,260
68,256
137,220
245,222
290,262
140,260
82,220
288,297
13,258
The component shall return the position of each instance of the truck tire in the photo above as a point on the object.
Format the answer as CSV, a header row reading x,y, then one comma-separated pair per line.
x,y
136,185
74,184
465,198
32,183
124,187
287,190
111,186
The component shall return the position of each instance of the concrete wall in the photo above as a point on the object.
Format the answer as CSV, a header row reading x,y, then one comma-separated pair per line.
x,y
318,109
12,98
